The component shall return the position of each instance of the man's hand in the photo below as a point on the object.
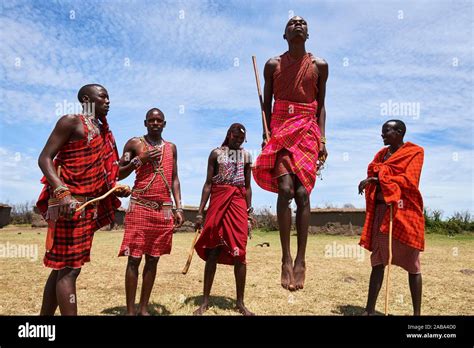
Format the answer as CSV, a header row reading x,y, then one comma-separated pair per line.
x,y
179,219
323,154
365,182
123,191
67,207
150,155
199,222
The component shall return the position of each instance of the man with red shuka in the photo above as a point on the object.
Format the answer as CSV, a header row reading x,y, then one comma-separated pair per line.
x,y
392,179
289,161
149,221
225,232
79,163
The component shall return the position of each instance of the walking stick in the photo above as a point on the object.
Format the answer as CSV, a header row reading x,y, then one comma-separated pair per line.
x,y
387,284
51,225
264,120
102,197
191,252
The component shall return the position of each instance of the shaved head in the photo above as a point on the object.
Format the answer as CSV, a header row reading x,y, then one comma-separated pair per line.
x,y
88,90
153,110
398,125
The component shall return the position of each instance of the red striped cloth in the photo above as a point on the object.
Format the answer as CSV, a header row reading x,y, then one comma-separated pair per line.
x,y
402,255
149,231
295,79
226,225
294,128
88,168
399,177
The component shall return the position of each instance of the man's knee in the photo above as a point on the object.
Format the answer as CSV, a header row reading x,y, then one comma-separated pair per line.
x,y
69,273
286,190
151,261
134,262
301,196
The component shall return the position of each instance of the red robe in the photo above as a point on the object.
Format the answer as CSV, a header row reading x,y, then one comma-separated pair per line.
x,y
89,168
147,230
226,225
399,177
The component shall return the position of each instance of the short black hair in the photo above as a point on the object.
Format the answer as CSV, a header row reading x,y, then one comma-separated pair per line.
x,y
399,125
153,110
86,90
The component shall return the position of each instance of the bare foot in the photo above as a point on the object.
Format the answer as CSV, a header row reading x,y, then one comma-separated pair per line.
x,y
240,307
287,278
144,314
200,311
129,314
300,272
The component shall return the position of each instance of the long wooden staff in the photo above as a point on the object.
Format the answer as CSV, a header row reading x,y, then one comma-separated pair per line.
x,y
191,252
257,78
51,225
102,197
387,283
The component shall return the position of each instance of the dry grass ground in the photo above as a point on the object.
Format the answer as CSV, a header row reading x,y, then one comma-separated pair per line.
x,y
334,285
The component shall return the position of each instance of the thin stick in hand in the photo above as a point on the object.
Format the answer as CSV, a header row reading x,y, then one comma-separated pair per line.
x,y
264,120
191,252
387,283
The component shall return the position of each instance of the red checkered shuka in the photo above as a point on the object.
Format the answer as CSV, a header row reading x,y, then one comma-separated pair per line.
x,y
295,129
399,177
295,79
150,231
89,167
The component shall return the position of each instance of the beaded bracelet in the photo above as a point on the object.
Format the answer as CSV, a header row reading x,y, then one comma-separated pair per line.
x,y
323,140
136,161
62,194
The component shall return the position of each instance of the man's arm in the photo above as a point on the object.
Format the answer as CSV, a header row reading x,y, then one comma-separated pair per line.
x,y
63,131
268,71
248,180
130,150
323,69
176,187
206,190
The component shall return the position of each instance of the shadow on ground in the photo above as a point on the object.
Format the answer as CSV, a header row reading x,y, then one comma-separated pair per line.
x,y
350,310
153,308
220,302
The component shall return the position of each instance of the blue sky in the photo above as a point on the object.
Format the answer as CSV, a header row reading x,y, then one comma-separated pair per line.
x,y
192,59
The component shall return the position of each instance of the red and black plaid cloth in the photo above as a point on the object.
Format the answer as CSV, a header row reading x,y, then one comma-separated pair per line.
x,y
150,231
295,79
399,177
88,168
294,129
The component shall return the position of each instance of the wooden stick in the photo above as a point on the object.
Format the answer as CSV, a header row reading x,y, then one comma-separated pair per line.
x,y
387,283
191,252
51,226
102,197
257,78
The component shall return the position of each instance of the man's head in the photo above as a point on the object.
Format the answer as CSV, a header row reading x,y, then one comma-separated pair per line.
x,y
235,136
155,121
393,132
296,30
94,99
